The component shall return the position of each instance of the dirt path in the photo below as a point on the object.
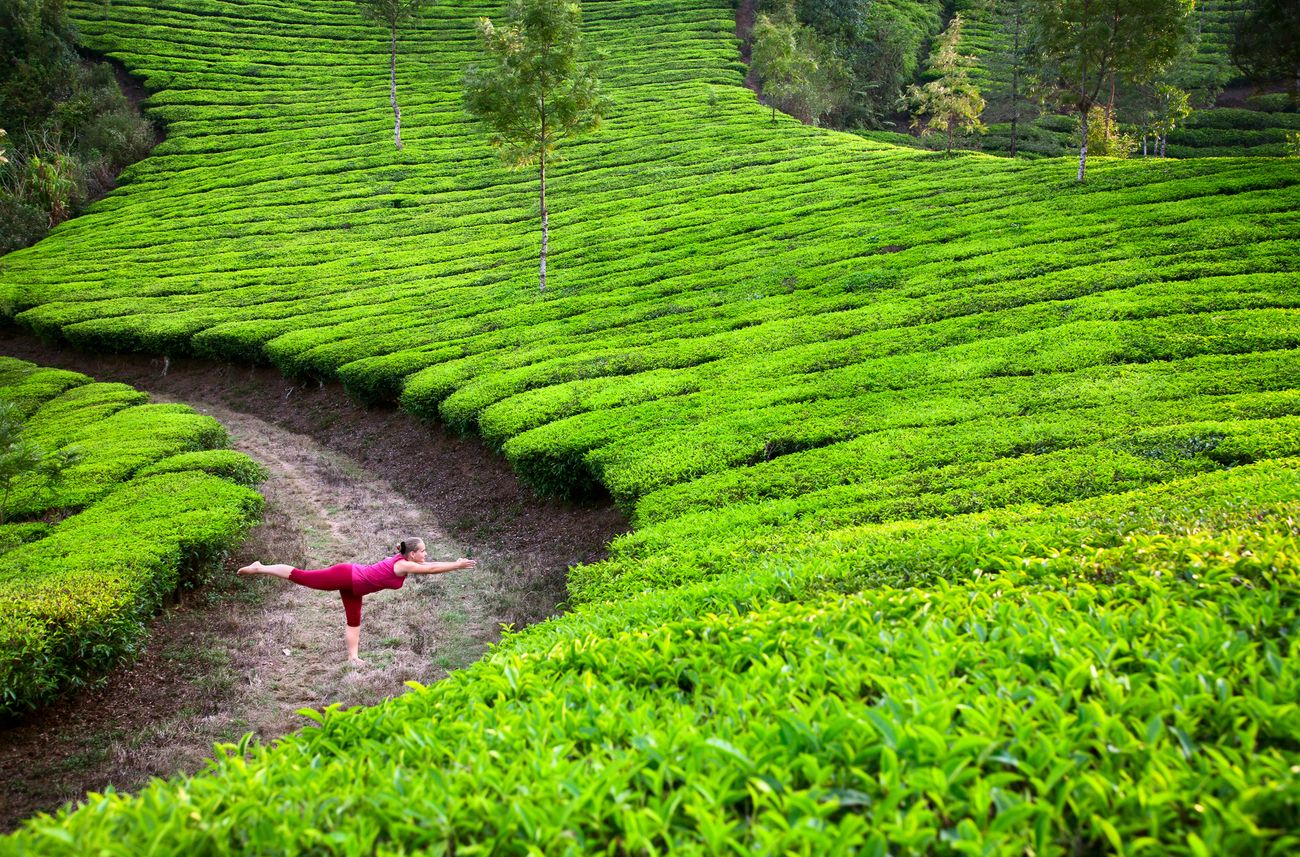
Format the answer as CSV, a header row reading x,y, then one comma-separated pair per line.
x,y
336,511
245,654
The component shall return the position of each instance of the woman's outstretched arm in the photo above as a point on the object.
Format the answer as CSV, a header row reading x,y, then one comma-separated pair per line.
x,y
407,566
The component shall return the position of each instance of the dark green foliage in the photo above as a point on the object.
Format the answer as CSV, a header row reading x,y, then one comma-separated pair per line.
x,y
1266,44
37,57
796,72
880,46
69,128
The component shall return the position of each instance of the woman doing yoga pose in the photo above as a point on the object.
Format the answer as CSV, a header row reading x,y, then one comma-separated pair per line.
x,y
354,581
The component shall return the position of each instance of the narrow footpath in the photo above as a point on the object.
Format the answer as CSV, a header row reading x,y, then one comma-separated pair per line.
x,y
245,654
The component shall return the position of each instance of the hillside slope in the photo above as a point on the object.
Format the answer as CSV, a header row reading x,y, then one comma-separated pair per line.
x,y
965,496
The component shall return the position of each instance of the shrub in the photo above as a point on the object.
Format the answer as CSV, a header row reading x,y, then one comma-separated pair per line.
x,y
136,518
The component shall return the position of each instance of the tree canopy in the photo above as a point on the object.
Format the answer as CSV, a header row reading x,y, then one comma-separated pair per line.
x,y
950,103
1266,43
796,73
1080,46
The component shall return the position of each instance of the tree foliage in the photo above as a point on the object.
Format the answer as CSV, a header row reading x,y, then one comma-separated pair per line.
x,y
796,74
70,128
36,58
531,90
1266,44
872,48
950,103
1164,108
1081,46
392,14
1105,136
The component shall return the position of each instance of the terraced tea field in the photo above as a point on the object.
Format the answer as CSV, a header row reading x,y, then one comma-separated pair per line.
x,y
965,497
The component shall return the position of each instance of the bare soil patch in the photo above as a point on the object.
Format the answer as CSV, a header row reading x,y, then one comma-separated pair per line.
x,y
244,654
1239,94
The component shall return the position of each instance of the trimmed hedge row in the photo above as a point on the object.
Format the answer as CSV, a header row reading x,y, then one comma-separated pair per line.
x,y
1124,679
149,506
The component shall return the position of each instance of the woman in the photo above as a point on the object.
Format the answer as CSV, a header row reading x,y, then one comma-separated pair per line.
x,y
354,581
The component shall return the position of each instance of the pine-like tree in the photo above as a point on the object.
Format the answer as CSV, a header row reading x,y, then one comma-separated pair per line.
x,y
950,103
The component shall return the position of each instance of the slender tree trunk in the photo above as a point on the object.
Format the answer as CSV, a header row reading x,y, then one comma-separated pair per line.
x,y
1015,83
1110,110
392,78
545,220
1144,144
1083,140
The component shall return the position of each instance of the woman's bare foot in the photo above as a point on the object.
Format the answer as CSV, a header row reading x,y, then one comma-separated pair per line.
x,y
255,567
356,662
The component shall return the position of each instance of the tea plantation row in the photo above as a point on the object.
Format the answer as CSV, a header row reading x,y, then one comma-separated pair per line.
x,y
151,504
1113,675
833,382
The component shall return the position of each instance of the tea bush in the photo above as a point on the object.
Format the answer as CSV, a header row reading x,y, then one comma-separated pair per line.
x,y
1118,677
135,517
876,414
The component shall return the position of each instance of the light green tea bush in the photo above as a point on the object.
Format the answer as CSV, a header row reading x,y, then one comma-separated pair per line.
x,y
86,560
1115,675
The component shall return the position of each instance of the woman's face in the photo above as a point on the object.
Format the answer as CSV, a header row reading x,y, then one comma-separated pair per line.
x,y
418,554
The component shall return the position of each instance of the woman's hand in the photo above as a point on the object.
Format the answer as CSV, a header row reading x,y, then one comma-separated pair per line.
x,y
466,563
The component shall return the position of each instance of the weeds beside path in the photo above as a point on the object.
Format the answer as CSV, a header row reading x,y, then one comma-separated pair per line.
x,y
243,655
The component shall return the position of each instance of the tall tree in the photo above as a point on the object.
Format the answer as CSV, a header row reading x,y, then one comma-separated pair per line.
x,y
531,90
796,75
1016,19
1079,45
392,14
950,102
1266,44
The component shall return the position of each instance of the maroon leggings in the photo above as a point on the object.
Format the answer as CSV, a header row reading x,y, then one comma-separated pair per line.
x,y
335,577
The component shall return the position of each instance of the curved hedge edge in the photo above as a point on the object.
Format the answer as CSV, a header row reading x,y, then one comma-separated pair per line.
x,y
225,463
78,599
1043,687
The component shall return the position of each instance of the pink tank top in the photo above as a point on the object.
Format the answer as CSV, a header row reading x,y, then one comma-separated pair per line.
x,y
372,578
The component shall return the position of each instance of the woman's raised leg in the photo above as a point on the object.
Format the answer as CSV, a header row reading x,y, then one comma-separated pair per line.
x,y
282,571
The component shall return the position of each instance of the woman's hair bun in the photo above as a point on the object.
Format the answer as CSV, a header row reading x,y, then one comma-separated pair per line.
x,y
401,548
